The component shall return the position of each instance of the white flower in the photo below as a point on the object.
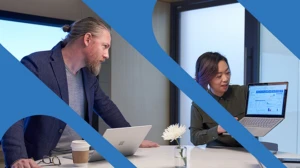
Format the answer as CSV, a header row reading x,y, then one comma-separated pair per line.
x,y
173,132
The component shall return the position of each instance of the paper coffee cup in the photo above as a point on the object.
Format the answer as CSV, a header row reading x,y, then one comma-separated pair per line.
x,y
80,152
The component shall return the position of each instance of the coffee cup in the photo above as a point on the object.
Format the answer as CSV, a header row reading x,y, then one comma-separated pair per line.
x,y
80,152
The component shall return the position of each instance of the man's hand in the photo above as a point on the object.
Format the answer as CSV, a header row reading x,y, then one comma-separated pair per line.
x,y
25,163
148,144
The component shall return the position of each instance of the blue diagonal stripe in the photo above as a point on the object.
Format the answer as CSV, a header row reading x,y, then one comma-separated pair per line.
x,y
132,19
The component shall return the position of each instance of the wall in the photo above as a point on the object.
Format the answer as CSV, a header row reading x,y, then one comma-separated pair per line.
x,y
138,88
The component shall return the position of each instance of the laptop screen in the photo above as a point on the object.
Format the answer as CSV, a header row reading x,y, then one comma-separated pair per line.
x,y
267,99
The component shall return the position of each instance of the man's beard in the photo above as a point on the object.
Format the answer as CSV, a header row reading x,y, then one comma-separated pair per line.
x,y
94,67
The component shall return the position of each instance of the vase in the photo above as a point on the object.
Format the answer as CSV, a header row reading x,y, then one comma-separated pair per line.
x,y
180,154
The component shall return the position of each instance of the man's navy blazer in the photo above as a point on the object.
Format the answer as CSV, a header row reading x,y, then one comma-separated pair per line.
x,y
36,136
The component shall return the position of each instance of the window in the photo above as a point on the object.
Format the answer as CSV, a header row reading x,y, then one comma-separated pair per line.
x,y
21,39
278,63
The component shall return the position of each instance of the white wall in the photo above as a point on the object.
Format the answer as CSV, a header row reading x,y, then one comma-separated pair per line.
x,y
138,88
279,64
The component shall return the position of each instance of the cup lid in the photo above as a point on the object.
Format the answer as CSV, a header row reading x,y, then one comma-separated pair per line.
x,y
79,144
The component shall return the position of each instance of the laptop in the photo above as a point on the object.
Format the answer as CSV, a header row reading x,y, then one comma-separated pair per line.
x,y
126,140
265,109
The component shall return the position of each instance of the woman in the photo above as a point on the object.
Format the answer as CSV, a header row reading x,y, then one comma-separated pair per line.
x,y
212,69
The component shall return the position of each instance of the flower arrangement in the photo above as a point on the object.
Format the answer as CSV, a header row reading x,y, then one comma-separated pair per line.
x,y
173,132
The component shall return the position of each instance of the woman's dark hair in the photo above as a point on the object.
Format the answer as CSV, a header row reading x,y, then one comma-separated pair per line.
x,y
207,67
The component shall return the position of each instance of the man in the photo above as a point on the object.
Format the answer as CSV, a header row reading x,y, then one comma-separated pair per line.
x,y
70,71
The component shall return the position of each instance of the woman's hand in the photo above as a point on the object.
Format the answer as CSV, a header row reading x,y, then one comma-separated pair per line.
x,y
221,130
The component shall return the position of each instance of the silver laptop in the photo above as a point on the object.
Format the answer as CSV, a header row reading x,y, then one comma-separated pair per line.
x,y
126,140
265,109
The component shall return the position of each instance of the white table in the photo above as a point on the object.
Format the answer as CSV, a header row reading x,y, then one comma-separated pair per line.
x,y
163,157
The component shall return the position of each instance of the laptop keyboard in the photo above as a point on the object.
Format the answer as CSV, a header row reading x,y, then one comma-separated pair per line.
x,y
260,122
